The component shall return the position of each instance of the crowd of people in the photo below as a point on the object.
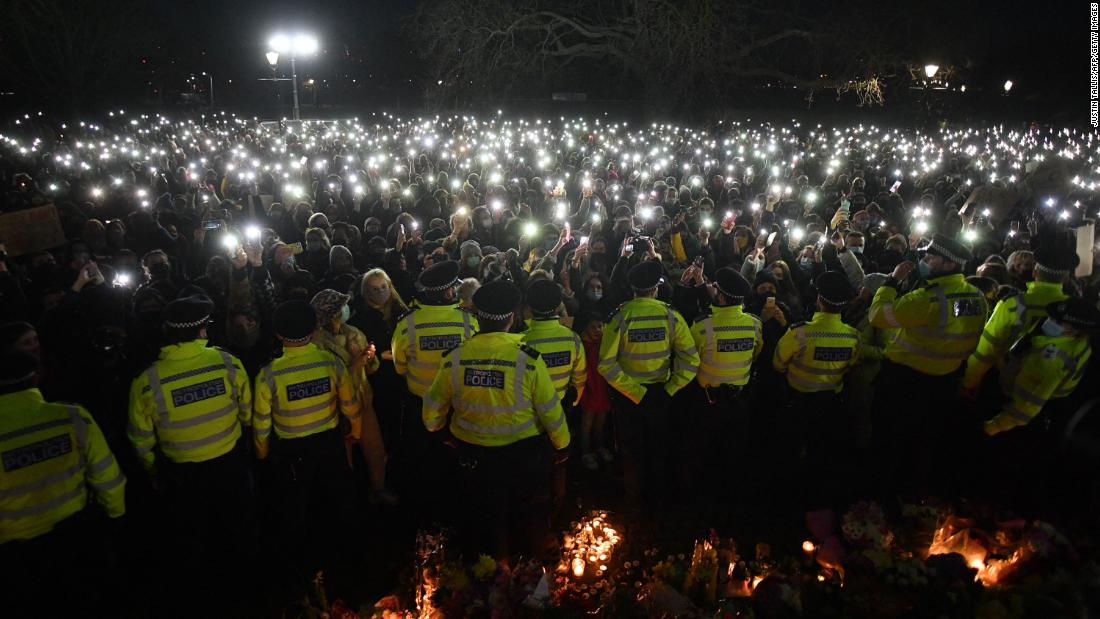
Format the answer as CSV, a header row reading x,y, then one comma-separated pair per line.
x,y
252,324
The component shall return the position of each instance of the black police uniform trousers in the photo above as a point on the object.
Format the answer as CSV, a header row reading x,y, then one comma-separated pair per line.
x,y
315,496
821,448
506,498
424,468
210,507
712,427
642,432
920,426
68,571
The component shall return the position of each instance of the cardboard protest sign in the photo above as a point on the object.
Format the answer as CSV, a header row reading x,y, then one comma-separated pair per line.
x,y
31,230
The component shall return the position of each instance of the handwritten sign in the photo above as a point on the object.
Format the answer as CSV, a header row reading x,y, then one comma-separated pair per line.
x,y
31,230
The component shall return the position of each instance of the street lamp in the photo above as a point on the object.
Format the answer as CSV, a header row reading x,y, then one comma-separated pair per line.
x,y
303,44
930,70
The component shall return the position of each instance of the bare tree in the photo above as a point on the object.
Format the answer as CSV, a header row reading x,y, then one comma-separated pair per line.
x,y
678,51
66,49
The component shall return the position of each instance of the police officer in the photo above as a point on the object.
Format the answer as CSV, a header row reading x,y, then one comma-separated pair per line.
x,y
420,338
1014,316
728,340
1046,363
186,413
53,454
504,408
646,355
938,326
815,356
301,396
561,349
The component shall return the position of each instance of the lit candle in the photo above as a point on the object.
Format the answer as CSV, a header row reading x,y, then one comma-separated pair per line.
x,y
578,567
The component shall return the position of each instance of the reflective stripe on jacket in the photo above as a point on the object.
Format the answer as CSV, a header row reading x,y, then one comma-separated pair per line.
x,y
191,401
1011,318
422,336
645,342
728,341
52,454
938,325
300,393
1051,368
561,350
500,392
816,355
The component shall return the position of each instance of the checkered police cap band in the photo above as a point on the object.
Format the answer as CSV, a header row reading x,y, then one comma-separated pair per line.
x,y
1045,270
946,253
734,297
296,340
488,316
648,288
187,325
443,287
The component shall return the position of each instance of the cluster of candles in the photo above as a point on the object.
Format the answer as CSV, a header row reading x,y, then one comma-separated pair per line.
x,y
589,547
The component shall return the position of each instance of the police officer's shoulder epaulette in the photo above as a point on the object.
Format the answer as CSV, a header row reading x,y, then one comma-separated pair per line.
x,y
448,351
707,313
929,286
406,313
530,352
614,312
795,325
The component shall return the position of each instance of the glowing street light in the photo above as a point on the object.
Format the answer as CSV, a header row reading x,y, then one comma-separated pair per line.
x,y
930,70
1008,86
302,44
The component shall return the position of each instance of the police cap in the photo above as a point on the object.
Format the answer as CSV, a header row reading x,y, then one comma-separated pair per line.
x,y
645,276
1076,312
1055,259
439,276
295,321
948,248
833,288
544,296
496,299
188,312
731,283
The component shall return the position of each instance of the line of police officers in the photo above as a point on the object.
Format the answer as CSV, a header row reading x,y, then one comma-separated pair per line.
x,y
497,398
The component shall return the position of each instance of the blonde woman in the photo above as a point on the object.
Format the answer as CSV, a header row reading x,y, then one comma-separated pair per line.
x,y
358,354
376,315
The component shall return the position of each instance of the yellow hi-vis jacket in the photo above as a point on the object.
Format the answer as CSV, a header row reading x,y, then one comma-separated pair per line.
x,y
561,350
817,354
728,341
422,336
300,393
500,391
640,341
938,324
192,401
1051,368
52,453
1011,318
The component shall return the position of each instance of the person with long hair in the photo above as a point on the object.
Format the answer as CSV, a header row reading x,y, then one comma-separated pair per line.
x,y
359,356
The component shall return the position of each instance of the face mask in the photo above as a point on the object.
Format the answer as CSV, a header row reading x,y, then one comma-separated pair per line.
x,y
806,264
473,261
345,313
1052,329
856,250
379,296
595,295
925,269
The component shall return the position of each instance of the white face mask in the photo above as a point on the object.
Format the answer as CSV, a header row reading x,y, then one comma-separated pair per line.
x,y
1052,328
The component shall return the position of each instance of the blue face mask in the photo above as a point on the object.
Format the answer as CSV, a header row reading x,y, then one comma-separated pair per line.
x,y
473,261
925,269
345,313
1052,329
856,250
806,264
